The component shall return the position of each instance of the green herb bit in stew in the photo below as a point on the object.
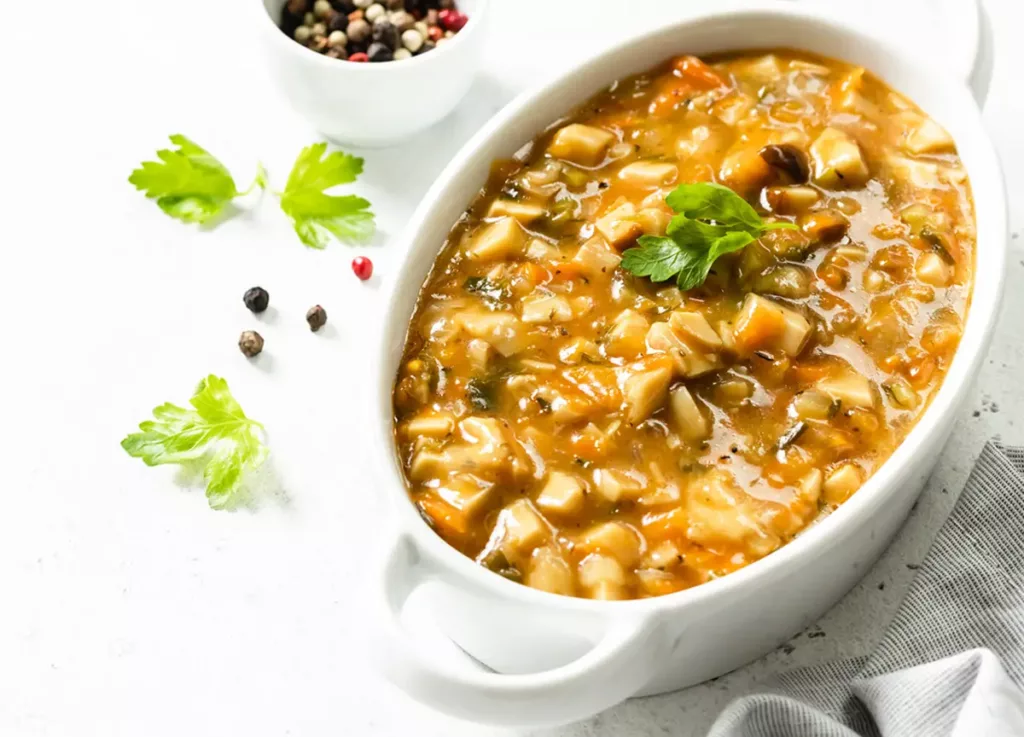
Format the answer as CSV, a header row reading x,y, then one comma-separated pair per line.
x,y
710,221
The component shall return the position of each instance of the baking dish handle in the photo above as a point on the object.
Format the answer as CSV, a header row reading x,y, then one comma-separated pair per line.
x,y
615,668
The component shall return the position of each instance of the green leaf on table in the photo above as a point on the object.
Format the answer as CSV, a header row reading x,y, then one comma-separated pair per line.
x,y
215,434
188,182
316,214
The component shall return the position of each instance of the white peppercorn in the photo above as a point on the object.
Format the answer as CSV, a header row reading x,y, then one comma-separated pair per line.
x,y
321,8
412,40
374,12
337,39
402,21
402,54
421,27
362,4
308,19
302,34
318,29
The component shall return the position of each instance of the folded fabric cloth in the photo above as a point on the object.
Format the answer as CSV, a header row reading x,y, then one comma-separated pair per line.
x,y
952,661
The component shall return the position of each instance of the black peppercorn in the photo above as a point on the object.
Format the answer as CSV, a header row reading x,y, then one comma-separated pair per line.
x,y
316,317
384,32
343,6
338,23
256,299
379,52
395,4
428,45
250,343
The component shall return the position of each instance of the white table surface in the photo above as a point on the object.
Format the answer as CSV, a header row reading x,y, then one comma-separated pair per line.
x,y
128,607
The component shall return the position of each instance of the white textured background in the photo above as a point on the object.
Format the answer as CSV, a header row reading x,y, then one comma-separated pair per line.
x,y
127,607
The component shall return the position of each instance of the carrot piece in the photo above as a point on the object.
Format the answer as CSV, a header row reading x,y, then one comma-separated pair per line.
x,y
808,373
697,73
759,323
448,521
671,525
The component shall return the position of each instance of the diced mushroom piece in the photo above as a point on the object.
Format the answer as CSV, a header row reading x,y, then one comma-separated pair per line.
x,y
814,405
762,323
431,424
720,512
695,326
602,577
581,144
541,250
932,269
596,257
427,464
645,392
743,169
841,483
810,486
824,226
497,240
788,160
838,160
733,108
689,420
524,212
616,539
618,226
627,334
650,174
687,360
548,571
524,529
546,308
790,200
578,350
663,556
852,390
467,493
614,485
562,494
503,330
706,135
479,352
489,447
653,220
923,135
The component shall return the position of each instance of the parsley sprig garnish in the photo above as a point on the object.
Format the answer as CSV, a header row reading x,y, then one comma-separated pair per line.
x,y
215,434
710,221
191,184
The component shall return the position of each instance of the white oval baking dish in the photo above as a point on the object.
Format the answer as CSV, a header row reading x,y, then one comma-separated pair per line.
x,y
556,659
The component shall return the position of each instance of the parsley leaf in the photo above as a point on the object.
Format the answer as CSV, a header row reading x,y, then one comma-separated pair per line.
x,y
710,221
316,214
215,434
189,183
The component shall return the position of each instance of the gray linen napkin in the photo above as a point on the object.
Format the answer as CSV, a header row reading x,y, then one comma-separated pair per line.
x,y
952,660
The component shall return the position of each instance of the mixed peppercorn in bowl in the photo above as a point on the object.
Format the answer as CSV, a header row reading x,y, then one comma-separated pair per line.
x,y
368,31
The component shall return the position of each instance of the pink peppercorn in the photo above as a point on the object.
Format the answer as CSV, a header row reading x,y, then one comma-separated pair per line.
x,y
362,267
453,20
359,56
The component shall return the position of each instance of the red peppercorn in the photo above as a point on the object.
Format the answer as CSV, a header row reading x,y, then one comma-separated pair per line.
x,y
362,267
359,56
453,20
435,33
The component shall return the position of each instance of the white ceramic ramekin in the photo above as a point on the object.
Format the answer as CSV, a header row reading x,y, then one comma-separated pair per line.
x,y
556,659
372,105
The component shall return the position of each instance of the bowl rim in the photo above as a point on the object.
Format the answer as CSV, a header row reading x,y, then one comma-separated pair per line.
x,y
270,27
986,179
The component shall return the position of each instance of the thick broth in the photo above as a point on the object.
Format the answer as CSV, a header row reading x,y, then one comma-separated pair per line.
x,y
590,433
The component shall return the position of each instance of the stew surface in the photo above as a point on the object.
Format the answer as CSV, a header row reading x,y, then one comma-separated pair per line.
x,y
588,432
